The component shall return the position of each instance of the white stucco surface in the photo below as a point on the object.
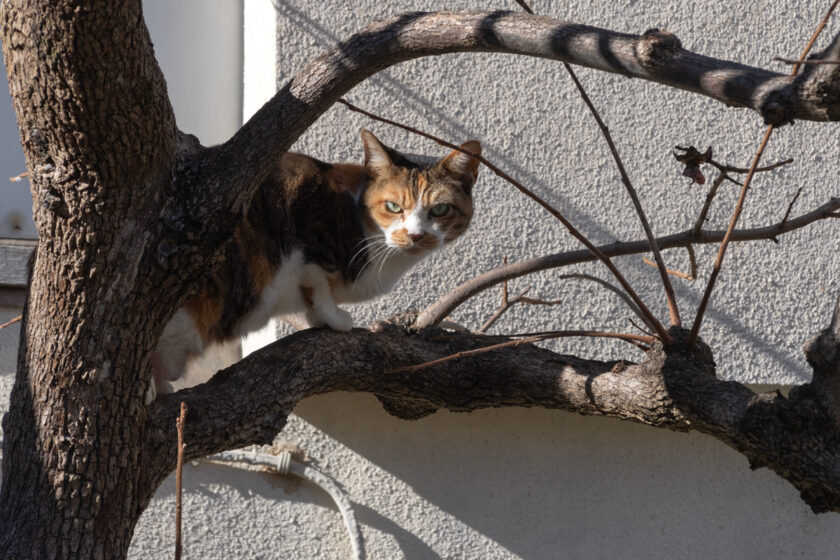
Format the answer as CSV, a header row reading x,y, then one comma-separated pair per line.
x,y
531,484
770,298
502,484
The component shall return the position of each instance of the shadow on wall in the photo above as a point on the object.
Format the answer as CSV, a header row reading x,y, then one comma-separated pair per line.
x,y
535,480
731,325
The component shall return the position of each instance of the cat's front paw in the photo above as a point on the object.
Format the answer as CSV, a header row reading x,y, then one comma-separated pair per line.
x,y
340,320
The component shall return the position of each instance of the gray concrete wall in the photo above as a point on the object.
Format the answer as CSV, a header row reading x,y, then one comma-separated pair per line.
x,y
530,483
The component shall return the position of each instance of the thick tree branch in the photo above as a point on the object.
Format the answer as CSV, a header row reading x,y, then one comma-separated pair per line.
x,y
674,388
221,180
440,309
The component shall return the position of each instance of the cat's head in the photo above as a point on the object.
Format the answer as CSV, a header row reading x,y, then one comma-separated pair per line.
x,y
418,208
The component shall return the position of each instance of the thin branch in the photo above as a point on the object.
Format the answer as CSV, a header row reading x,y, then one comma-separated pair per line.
x,y
455,297
804,62
693,157
179,424
813,39
508,302
733,169
701,218
466,353
635,324
701,310
525,6
12,322
530,337
671,271
651,318
790,206
692,261
673,309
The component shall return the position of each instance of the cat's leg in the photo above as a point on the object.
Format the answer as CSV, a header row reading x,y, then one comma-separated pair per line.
x,y
319,303
178,343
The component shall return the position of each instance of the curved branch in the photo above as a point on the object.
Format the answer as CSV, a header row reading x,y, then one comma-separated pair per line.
x,y
675,388
229,174
444,306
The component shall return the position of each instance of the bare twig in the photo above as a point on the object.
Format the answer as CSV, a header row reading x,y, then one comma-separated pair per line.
x,y
179,423
12,322
508,302
790,206
467,353
525,6
805,62
813,39
701,218
673,310
692,261
739,206
660,330
724,176
531,337
635,324
455,297
733,169
671,271
19,178
701,310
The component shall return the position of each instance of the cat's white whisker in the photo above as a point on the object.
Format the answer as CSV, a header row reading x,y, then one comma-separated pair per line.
x,y
370,242
380,247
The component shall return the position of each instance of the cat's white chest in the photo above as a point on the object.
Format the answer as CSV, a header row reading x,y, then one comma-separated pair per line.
x,y
280,296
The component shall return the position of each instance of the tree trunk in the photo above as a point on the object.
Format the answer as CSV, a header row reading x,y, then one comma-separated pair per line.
x,y
99,138
129,212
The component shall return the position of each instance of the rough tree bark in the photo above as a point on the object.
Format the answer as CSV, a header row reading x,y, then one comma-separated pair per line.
x,y
130,211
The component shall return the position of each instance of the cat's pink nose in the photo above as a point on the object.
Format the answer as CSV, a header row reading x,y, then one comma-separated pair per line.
x,y
417,236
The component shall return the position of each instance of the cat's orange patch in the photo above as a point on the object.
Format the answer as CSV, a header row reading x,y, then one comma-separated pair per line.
x,y
205,310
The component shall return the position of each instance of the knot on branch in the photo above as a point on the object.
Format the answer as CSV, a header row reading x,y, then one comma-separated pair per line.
x,y
777,108
656,47
404,320
683,355
823,355
406,409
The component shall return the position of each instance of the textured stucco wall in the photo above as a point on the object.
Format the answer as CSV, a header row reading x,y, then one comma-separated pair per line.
x,y
770,298
531,483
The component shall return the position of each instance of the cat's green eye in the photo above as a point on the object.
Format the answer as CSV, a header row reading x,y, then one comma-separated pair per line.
x,y
393,208
439,210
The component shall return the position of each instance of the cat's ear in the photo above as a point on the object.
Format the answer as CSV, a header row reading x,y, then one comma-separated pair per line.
x,y
461,164
377,159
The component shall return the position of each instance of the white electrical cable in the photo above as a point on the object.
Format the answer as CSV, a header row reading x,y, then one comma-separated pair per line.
x,y
284,464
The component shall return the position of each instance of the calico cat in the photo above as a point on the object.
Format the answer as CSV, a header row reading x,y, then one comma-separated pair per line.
x,y
318,234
